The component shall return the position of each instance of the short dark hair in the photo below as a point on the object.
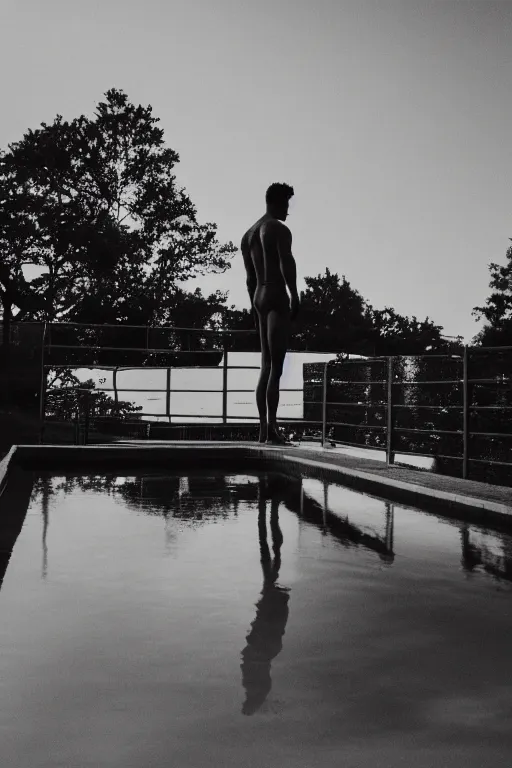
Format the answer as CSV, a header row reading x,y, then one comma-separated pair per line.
x,y
278,193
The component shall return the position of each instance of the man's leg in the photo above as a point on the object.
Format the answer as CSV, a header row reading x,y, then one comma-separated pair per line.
x,y
261,389
278,331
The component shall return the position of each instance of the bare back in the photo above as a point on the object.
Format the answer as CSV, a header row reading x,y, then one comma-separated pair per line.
x,y
260,242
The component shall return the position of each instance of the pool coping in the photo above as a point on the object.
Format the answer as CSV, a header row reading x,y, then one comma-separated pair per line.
x,y
465,505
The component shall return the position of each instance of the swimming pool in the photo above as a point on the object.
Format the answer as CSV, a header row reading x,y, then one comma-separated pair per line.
x,y
250,619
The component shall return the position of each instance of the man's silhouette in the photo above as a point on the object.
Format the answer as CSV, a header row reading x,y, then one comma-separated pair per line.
x,y
267,251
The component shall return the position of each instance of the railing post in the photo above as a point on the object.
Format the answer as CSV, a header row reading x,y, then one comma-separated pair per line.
x,y
42,389
324,404
114,382
465,414
86,419
77,426
225,382
390,456
168,396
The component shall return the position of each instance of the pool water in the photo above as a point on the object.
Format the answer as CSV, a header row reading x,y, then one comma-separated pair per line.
x,y
250,620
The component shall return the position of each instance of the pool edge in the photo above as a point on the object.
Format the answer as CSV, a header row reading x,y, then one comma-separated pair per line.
x,y
475,509
4,467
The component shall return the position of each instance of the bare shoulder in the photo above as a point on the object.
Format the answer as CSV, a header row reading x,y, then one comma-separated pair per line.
x,y
276,228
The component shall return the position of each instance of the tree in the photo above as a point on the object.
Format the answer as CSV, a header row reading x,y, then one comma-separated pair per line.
x,y
498,307
395,334
18,237
333,316
109,225
64,403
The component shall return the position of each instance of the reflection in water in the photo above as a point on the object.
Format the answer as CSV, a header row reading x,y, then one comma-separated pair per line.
x,y
207,497
490,550
45,496
389,555
340,528
264,641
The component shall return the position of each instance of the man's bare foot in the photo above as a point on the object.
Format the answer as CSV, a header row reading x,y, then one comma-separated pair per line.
x,y
275,437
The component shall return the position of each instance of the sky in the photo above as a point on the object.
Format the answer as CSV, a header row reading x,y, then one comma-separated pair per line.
x,y
390,119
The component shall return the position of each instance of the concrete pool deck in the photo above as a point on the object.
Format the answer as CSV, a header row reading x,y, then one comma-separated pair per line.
x,y
476,501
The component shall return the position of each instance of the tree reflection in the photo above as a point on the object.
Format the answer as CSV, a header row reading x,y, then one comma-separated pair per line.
x,y
208,496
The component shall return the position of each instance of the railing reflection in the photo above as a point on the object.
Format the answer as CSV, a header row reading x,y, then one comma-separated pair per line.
x,y
177,497
342,529
488,550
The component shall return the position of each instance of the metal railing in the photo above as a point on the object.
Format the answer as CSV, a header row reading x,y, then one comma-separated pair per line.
x,y
390,430
87,416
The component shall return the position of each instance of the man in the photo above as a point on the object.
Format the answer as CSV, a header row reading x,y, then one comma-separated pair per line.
x,y
266,248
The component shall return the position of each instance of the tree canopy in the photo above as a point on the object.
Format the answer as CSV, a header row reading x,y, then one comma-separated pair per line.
x,y
334,317
497,310
94,203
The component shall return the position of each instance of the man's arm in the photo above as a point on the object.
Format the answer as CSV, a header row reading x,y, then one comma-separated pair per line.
x,y
287,262
251,280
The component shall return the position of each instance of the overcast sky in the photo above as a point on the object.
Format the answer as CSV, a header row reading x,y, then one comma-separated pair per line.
x,y
390,119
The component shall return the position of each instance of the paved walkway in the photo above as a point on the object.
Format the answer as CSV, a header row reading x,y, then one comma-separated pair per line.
x,y
456,485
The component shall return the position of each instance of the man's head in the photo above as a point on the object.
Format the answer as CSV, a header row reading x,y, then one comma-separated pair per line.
x,y
277,198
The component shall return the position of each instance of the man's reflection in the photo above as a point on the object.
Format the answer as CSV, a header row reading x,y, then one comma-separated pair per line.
x,y
264,641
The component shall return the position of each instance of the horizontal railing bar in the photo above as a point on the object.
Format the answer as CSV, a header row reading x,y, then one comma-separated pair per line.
x,y
356,426
490,407
332,402
144,328
208,416
430,357
347,405
92,367
118,389
428,431
233,423
472,433
363,360
356,445
496,380
425,455
419,383
148,350
492,461
484,349
284,389
444,407
340,381
359,405
385,357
